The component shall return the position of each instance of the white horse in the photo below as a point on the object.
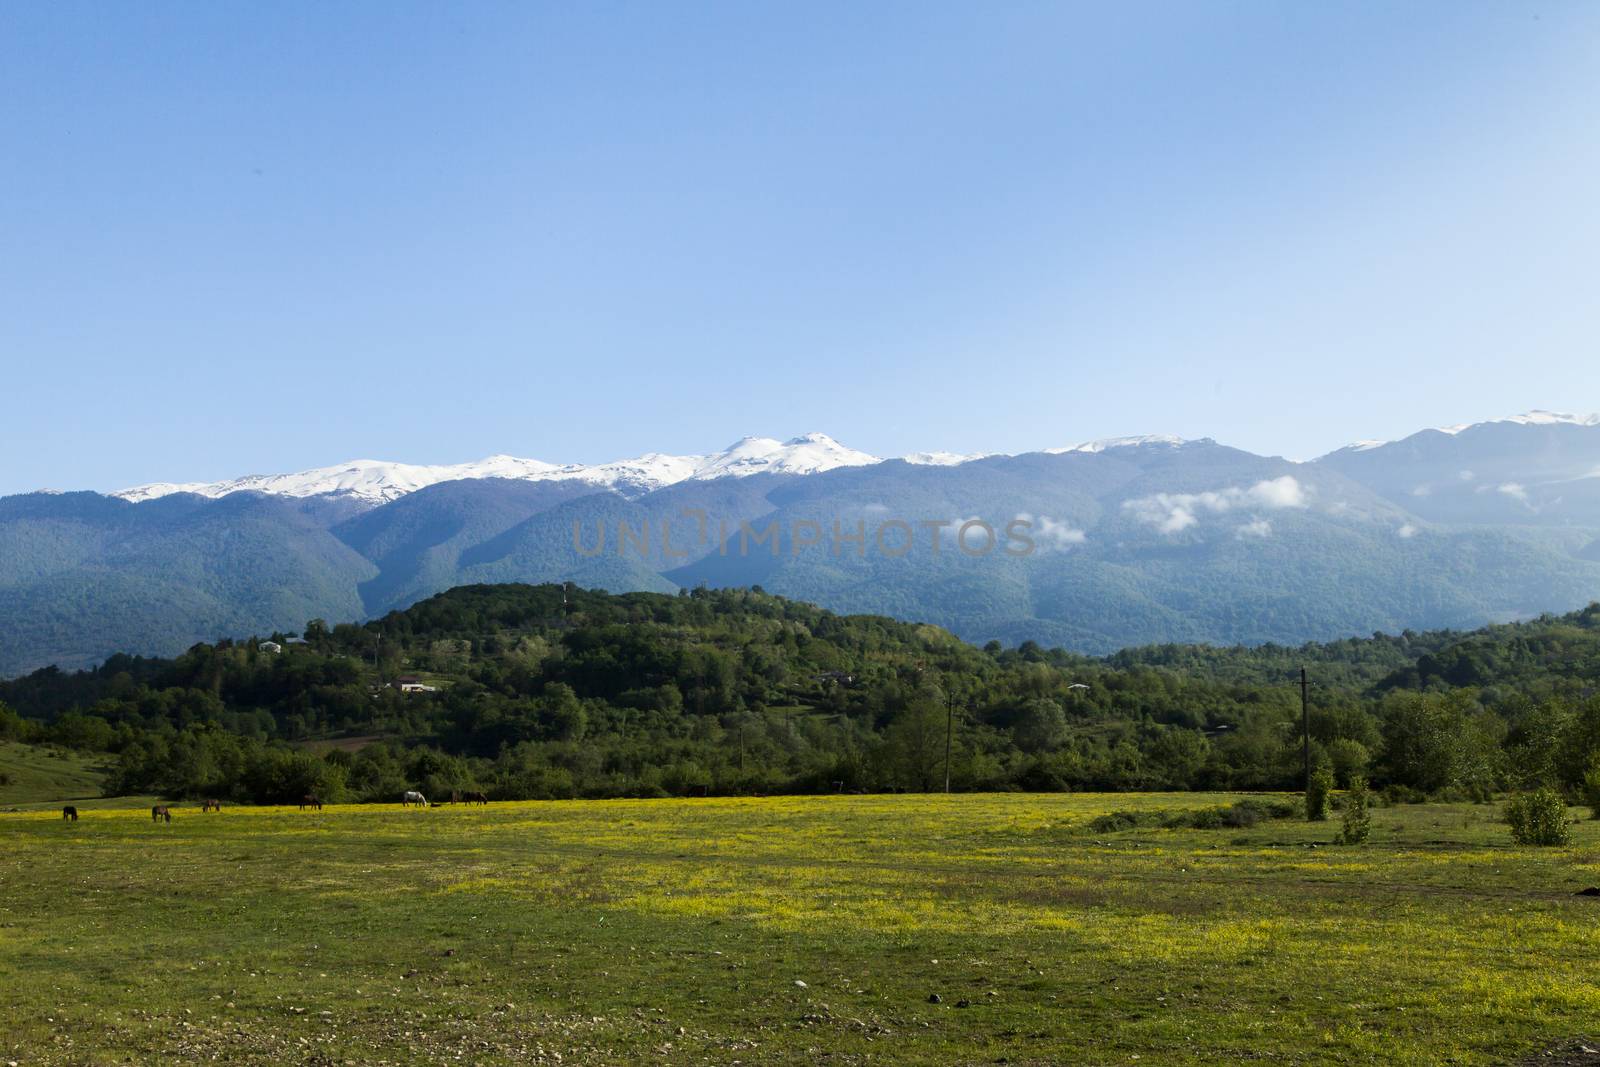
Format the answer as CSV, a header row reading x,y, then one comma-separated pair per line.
x,y
411,796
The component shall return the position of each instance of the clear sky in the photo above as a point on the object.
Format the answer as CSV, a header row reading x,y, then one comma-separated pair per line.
x,y
240,238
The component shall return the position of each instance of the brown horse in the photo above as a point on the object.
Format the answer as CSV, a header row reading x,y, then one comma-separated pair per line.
x,y
211,805
310,801
475,798
159,812
70,812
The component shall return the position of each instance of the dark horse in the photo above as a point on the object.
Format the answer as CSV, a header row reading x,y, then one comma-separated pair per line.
x,y
159,812
310,801
475,798
211,805
70,812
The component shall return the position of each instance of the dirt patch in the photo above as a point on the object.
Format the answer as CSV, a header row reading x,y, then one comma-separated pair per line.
x,y
1583,1052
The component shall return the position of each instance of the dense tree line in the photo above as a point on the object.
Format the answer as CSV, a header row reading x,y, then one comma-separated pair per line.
x,y
553,691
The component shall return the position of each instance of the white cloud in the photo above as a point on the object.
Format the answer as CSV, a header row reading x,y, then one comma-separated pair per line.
x,y
1257,528
1407,531
1283,492
1173,512
1515,491
1422,490
1466,476
1049,533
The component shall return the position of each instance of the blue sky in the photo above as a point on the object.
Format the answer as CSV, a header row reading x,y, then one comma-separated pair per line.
x,y
249,238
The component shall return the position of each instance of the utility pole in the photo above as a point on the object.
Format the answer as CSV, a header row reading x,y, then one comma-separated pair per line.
x,y
949,723
1305,728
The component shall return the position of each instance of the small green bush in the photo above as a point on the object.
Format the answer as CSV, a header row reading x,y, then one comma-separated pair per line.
x,y
1317,791
1357,825
1538,818
1117,820
1591,792
1240,814
1404,794
1243,815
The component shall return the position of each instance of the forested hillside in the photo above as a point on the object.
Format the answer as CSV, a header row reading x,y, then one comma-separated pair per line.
x,y
554,691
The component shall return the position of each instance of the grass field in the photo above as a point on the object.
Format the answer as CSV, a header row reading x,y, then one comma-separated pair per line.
x,y
30,774
681,931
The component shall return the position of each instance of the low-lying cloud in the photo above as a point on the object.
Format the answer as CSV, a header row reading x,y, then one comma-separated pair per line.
x,y
1174,512
1515,491
1050,533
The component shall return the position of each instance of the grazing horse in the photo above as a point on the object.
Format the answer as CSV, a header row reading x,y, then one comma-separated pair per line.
x,y
159,812
310,801
475,798
411,796
211,805
70,812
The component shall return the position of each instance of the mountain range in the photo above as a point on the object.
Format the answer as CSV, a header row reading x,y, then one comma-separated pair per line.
x,y
1093,547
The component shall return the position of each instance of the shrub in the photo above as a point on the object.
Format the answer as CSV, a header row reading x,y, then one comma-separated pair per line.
x,y
1110,824
1243,815
1317,790
1538,818
1591,792
1357,818
1404,794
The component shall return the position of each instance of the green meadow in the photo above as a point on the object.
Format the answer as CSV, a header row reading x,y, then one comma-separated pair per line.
x,y
33,774
850,929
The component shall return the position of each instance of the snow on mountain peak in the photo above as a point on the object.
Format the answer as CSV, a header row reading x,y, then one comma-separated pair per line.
x,y
1107,443
377,481
1527,418
942,459
1533,418
808,454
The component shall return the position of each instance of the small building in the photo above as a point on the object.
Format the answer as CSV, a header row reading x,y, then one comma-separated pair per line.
x,y
410,683
270,646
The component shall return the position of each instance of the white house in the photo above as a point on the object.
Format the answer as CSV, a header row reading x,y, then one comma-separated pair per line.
x,y
408,683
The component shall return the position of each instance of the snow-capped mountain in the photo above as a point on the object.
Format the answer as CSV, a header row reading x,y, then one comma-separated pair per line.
x,y
1540,468
762,455
378,481
365,479
374,482
1527,418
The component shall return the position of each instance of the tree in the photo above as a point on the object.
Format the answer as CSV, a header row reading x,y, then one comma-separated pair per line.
x,y
915,742
1317,791
1041,727
1357,818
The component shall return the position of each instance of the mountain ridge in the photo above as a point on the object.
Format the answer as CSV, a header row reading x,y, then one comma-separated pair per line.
x,y
1125,541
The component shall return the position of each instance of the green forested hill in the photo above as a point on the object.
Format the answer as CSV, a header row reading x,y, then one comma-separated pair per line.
x,y
557,691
